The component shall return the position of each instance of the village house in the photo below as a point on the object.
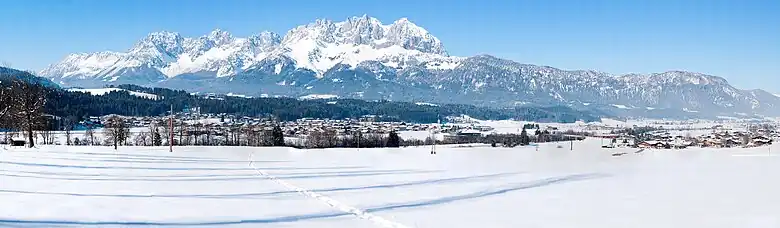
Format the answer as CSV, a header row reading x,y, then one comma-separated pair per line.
x,y
654,144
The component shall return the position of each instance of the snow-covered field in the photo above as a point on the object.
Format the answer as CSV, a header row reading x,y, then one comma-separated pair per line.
x,y
478,186
318,96
104,91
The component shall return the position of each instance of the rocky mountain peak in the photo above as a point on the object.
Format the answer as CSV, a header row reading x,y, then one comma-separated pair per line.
x,y
220,37
166,42
365,30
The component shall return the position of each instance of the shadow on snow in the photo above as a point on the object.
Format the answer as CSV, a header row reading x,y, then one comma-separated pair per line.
x,y
148,160
73,174
294,218
253,177
175,168
265,194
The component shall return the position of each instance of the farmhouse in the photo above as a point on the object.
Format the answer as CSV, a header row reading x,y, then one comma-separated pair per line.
x,y
18,142
761,140
653,144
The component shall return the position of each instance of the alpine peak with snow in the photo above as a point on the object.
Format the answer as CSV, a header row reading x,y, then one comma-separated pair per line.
x,y
363,58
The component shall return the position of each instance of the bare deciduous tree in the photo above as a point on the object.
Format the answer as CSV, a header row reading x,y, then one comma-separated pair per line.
x,y
47,135
116,130
322,139
165,133
5,102
68,127
89,135
5,108
142,138
28,100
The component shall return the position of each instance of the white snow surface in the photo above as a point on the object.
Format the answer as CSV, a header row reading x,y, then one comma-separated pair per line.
x,y
237,95
318,96
620,106
461,186
420,135
328,55
104,91
425,103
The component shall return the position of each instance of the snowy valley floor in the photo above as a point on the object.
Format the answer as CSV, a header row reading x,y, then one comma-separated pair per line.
x,y
406,187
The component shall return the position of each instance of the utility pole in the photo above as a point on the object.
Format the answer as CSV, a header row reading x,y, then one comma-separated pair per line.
x,y
572,144
433,134
170,130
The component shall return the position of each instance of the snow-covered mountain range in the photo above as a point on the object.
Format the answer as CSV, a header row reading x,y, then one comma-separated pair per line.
x,y
363,58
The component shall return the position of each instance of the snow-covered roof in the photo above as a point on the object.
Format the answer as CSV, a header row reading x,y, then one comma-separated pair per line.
x,y
469,131
653,142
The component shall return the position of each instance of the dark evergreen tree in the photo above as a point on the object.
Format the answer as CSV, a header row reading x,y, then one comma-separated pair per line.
x,y
393,140
277,136
156,138
524,139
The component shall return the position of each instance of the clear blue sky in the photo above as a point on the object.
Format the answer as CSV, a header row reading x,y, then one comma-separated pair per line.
x,y
738,40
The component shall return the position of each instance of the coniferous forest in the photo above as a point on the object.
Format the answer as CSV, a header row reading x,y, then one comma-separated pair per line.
x,y
78,105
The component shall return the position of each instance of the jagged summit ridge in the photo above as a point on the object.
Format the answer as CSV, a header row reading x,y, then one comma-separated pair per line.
x,y
317,46
368,31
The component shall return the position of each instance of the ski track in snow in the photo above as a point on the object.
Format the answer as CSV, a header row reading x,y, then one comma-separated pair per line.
x,y
382,222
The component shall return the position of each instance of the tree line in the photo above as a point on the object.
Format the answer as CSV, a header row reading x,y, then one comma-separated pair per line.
x,y
81,105
330,139
117,133
503,139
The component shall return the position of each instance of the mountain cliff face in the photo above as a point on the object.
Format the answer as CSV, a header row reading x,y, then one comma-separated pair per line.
x,y
363,58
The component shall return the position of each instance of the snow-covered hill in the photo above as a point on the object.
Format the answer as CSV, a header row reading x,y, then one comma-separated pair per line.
x,y
363,58
8,75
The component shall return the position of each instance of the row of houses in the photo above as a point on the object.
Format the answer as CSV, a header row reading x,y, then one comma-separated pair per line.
x,y
720,139
304,126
